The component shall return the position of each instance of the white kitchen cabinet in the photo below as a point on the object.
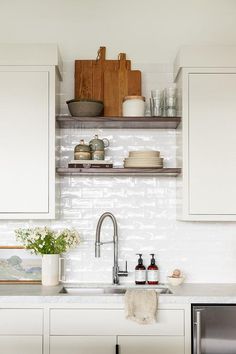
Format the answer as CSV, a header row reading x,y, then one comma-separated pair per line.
x,y
89,331
107,344
21,345
76,330
82,345
21,331
206,140
151,344
28,77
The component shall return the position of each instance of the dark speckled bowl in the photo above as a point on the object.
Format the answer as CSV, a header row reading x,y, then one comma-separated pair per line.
x,y
85,108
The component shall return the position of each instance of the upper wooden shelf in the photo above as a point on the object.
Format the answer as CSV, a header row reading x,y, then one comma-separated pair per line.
x,y
118,122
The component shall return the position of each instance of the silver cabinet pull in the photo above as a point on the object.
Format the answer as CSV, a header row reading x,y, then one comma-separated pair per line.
x,y
198,332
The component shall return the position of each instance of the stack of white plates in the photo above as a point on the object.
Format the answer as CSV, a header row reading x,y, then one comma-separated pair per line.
x,y
144,159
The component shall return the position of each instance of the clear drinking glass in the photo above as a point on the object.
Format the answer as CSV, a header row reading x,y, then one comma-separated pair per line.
x,y
156,107
156,103
170,101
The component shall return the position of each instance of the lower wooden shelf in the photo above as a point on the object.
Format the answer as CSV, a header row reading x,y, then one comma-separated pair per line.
x,y
63,171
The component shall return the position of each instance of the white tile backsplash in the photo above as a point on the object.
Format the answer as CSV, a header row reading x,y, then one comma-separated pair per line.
x,y
145,207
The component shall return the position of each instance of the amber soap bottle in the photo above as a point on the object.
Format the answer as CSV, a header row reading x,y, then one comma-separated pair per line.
x,y
152,272
140,271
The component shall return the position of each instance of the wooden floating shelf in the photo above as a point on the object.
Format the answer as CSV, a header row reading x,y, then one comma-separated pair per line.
x,y
173,172
70,122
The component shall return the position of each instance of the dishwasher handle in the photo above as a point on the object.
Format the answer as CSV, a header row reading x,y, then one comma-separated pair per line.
x,y
198,331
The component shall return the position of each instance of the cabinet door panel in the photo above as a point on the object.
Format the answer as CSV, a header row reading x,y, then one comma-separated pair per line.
x,y
88,322
24,141
21,345
151,345
82,345
212,143
21,321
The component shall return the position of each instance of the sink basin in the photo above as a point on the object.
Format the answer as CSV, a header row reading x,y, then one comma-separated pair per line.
x,y
86,291
81,291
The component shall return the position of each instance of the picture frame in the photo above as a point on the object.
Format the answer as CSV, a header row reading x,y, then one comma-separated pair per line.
x,y
19,266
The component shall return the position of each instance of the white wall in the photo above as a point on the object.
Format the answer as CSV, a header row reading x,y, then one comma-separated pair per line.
x,y
150,32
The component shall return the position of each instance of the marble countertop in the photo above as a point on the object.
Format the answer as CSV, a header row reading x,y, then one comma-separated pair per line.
x,y
183,294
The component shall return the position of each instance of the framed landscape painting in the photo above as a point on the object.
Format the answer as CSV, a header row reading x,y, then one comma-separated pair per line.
x,y
18,265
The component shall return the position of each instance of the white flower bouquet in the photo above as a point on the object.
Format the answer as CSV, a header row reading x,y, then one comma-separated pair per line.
x,y
43,240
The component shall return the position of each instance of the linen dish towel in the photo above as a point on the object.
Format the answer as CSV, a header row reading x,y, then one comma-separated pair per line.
x,y
141,305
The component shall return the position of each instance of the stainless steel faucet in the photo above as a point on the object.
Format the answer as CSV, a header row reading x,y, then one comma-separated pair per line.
x,y
116,272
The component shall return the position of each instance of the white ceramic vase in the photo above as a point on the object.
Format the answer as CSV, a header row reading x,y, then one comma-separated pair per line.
x,y
50,269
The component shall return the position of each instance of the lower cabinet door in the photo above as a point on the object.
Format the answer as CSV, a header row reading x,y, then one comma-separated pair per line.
x,y
151,344
82,344
21,345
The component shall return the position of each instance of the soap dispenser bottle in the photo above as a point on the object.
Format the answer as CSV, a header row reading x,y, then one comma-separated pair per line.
x,y
140,271
152,272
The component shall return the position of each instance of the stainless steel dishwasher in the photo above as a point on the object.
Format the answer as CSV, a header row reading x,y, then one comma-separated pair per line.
x,y
214,329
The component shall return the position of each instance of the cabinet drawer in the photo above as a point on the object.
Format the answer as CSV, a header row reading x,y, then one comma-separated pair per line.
x,y
21,344
151,344
113,322
82,344
21,321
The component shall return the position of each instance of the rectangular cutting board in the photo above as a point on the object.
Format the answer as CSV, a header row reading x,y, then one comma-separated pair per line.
x,y
89,75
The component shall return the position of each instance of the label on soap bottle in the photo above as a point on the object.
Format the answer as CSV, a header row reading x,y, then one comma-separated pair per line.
x,y
153,275
140,275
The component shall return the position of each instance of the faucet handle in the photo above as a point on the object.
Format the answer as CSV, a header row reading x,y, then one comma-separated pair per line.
x,y
124,273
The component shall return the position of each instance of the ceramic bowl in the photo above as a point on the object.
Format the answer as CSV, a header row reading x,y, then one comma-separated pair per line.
x,y
85,108
175,281
144,154
148,159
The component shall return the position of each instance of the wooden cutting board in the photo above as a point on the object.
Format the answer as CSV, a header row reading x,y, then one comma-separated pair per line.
x,y
118,84
89,75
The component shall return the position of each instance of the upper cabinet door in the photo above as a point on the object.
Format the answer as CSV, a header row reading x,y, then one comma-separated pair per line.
x,y
212,144
208,144
26,142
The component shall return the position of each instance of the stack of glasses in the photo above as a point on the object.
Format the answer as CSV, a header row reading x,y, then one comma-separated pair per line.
x,y
163,103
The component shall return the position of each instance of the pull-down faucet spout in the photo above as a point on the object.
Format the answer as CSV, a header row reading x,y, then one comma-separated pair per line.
x,y
116,272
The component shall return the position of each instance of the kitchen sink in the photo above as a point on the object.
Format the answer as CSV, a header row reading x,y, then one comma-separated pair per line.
x,y
86,291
